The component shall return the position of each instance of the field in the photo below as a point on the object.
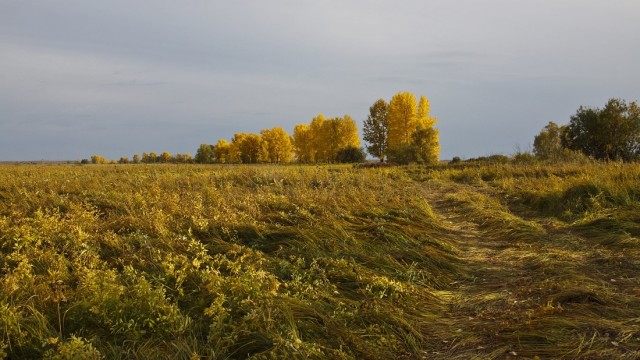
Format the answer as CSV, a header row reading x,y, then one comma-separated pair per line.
x,y
449,262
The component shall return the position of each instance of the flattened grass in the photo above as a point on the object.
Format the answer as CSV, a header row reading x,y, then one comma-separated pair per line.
x,y
218,262
479,262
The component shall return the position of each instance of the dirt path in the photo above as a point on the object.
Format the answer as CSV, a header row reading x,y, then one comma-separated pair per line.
x,y
477,301
522,296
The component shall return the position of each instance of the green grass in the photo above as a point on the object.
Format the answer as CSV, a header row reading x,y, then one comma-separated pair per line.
x,y
188,261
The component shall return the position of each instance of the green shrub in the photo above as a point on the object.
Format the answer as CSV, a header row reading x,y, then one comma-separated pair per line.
x,y
351,154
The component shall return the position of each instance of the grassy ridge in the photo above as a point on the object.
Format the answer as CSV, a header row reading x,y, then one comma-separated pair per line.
x,y
186,261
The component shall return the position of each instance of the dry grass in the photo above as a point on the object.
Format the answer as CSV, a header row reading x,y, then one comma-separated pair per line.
x,y
180,261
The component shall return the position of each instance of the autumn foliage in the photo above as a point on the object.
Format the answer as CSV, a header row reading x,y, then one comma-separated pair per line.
x,y
323,139
402,130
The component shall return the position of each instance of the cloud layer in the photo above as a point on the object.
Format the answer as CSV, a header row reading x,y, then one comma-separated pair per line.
x,y
121,77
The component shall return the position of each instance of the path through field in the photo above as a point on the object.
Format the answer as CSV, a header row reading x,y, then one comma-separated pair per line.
x,y
532,287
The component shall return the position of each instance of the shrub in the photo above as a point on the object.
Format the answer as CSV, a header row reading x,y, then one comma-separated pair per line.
x,y
72,349
524,158
351,154
402,154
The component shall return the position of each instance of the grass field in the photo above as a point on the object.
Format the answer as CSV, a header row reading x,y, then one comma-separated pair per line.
x,y
189,262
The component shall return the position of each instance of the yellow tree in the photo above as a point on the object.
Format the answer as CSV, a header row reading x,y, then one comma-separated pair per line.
x,y
165,157
250,148
302,143
411,134
253,149
97,159
317,138
402,119
222,151
337,134
277,144
330,135
424,119
349,133
235,151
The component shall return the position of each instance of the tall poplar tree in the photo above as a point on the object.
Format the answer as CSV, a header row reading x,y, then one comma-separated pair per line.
x,y
424,119
302,143
402,119
411,134
222,151
318,140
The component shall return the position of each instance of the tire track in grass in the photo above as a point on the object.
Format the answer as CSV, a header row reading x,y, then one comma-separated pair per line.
x,y
474,300
527,291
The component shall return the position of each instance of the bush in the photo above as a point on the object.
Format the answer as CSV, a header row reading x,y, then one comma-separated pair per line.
x,y
351,154
402,154
75,348
524,158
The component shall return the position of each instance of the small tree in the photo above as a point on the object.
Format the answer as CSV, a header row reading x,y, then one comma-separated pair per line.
x,y
548,144
97,159
165,157
204,154
425,145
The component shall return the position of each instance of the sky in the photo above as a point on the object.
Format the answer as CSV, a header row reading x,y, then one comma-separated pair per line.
x,y
120,77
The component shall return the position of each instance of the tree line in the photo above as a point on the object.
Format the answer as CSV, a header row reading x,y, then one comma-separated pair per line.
x,y
611,134
146,158
401,131
323,140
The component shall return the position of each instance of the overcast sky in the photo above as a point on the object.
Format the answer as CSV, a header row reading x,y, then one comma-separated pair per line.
x,y
121,77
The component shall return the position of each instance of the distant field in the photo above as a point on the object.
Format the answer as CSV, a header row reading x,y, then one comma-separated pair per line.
x,y
195,261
